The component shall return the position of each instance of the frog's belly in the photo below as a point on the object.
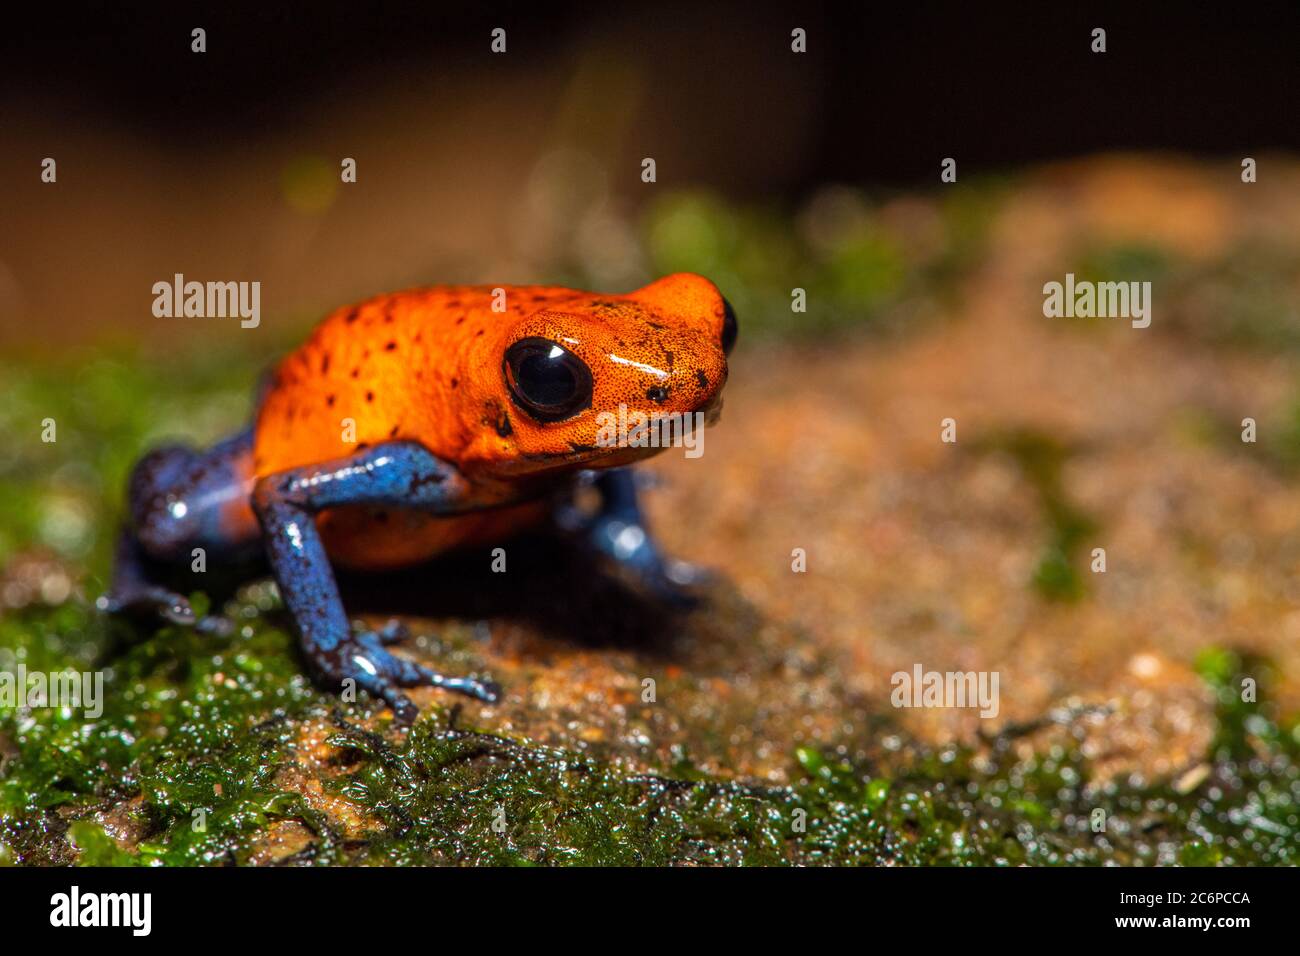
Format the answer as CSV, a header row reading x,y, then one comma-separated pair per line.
x,y
376,538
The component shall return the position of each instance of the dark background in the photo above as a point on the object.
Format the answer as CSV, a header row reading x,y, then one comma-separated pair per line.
x,y
478,167
893,86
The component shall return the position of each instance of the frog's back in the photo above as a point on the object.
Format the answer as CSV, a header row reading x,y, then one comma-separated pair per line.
x,y
390,368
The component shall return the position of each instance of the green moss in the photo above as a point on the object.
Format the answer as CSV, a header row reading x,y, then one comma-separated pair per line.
x,y
1239,297
65,495
188,725
1124,262
196,758
1243,298
1041,459
202,724
859,267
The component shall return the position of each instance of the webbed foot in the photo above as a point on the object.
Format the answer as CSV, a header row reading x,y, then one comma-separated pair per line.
x,y
168,606
363,659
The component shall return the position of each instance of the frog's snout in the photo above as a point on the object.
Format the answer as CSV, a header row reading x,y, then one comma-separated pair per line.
x,y
696,386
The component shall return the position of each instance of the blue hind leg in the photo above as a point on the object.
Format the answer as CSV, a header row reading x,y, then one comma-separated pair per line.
x,y
181,500
133,591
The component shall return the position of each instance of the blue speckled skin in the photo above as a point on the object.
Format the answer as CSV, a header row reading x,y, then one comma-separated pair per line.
x,y
177,499
396,473
175,503
618,530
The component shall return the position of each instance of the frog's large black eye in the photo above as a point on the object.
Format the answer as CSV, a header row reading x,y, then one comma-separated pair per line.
x,y
729,327
546,380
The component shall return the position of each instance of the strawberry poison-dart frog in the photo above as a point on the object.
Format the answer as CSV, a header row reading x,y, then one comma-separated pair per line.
x,y
422,421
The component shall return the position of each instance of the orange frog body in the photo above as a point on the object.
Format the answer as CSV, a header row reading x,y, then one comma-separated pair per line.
x,y
427,366
426,420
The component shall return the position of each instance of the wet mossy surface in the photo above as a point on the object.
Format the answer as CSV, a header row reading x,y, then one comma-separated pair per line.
x,y
761,748
218,751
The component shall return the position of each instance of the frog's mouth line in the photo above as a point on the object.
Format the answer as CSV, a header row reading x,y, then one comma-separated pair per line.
x,y
617,456
593,456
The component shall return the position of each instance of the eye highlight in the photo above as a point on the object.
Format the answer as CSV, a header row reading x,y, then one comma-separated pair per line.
x,y
546,380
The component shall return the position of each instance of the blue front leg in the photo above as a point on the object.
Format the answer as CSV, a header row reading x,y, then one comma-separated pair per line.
x,y
399,474
619,531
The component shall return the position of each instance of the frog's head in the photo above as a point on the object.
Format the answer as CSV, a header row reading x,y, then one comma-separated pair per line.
x,y
579,373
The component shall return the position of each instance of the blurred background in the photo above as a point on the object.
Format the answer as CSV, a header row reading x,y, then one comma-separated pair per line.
x,y
525,167
775,170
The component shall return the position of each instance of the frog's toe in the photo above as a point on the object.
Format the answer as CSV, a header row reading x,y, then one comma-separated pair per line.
x,y
394,632
678,584
383,674
684,574
215,625
416,675
404,709
672,592
166,604
488,691
387,690
159,602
